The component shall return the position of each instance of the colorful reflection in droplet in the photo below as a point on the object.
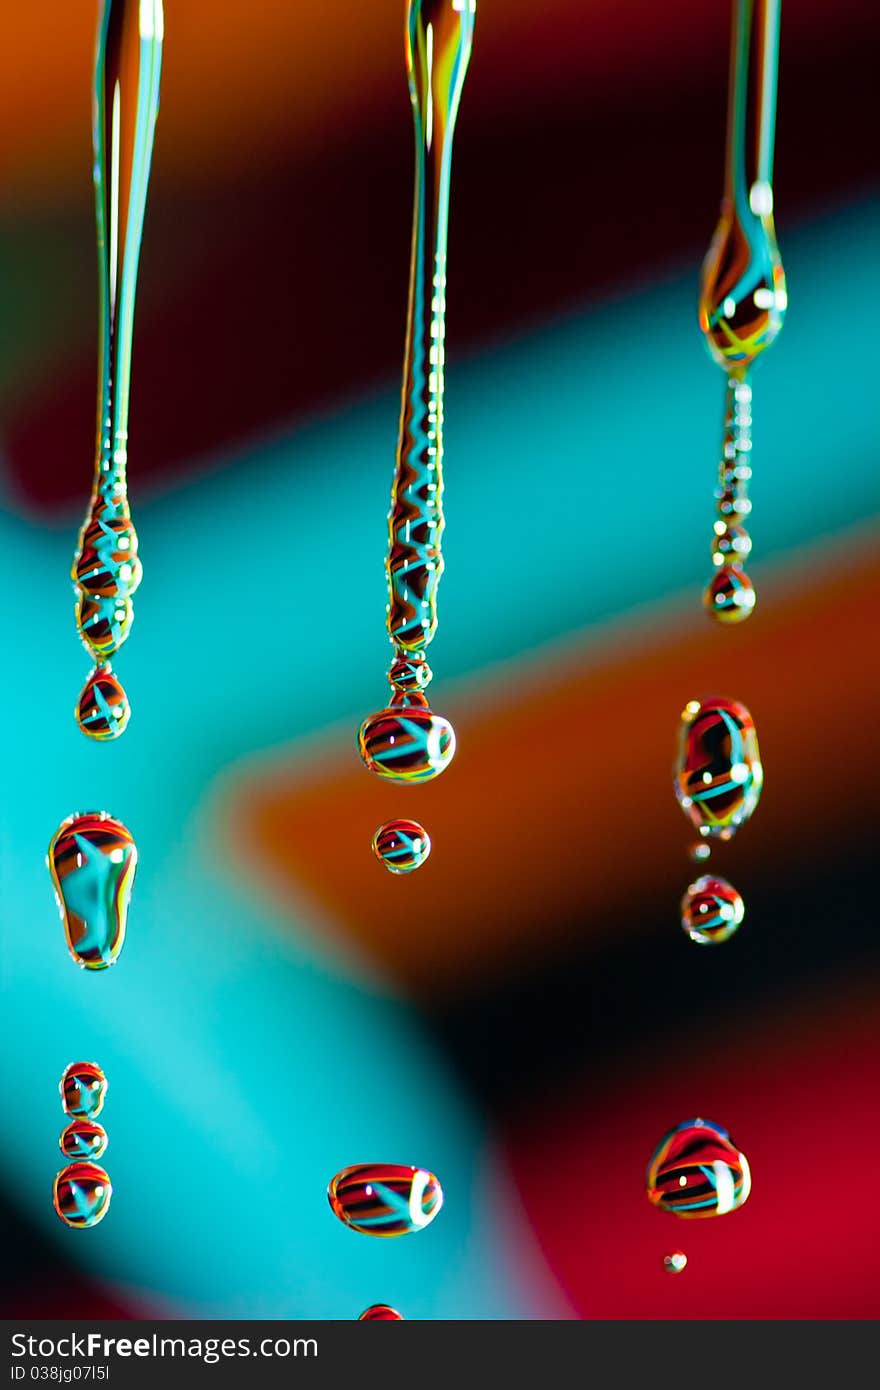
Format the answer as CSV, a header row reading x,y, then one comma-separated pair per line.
x,y
675,1262
103,710
407,743
92,861
385,1199
718,774
401,845
81,1194
83,1139
380,1312
697,1171
711,910
83,1090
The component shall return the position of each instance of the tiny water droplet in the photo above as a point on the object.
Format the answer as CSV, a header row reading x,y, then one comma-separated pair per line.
x,y
83,1139
380,1312
92,861
385,1199
103,710
83,1090
697,1171
700,851
401,845
711,910
675,1262
730,596
81,1194
406,744
718,773
731,544
409,673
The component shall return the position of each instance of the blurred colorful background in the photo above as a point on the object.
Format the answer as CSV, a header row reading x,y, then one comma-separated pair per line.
x,y
524,1016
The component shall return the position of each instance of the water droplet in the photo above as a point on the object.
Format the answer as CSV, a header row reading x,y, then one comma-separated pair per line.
x,y
408,744
83,1139
385,1199
676,1262
401,845
106,564
81,1194
696,1171
700,852
103,711
718,774
92,860
104,623
711,910
409,673
380,1312
731,545
730,596
83,1090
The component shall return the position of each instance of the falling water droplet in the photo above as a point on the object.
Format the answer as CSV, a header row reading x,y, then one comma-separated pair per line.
x,y
675,1262
103,710
385,1199
92,860
81,1194
409,674
730,596
380,1312
83,1139
696,1171
718,774
83,1090
407,744
401,845
731,545
711,910
700,852
104,623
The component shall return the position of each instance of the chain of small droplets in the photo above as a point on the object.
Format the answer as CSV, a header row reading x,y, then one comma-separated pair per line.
x,y
732,543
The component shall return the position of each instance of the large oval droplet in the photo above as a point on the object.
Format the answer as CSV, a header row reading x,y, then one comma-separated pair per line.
x,y
81,1194
92,860
401,845
385,1199
83,1090
697,1170
718,775
103,711
380,1312
83,1139
106,563
407,744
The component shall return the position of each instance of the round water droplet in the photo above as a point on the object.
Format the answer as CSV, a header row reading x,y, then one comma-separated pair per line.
x,y
711,910
83,1139
700,852
103,710
730,596
732,544
107,564
92,861
380,1312
407,744
410,673
676,1262
83,1090
81,1194
385,1199
104,623
718,773
697,1171
401,845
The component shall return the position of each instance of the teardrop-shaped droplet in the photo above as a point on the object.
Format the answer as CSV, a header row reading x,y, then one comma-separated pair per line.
x,y
401,845
81,1194
83,1139
380,1312
103,710
718,774
83,1090
730,596
104,623
743,295
406,744
696,1170
385,1199
711,910
675,1262
92,860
